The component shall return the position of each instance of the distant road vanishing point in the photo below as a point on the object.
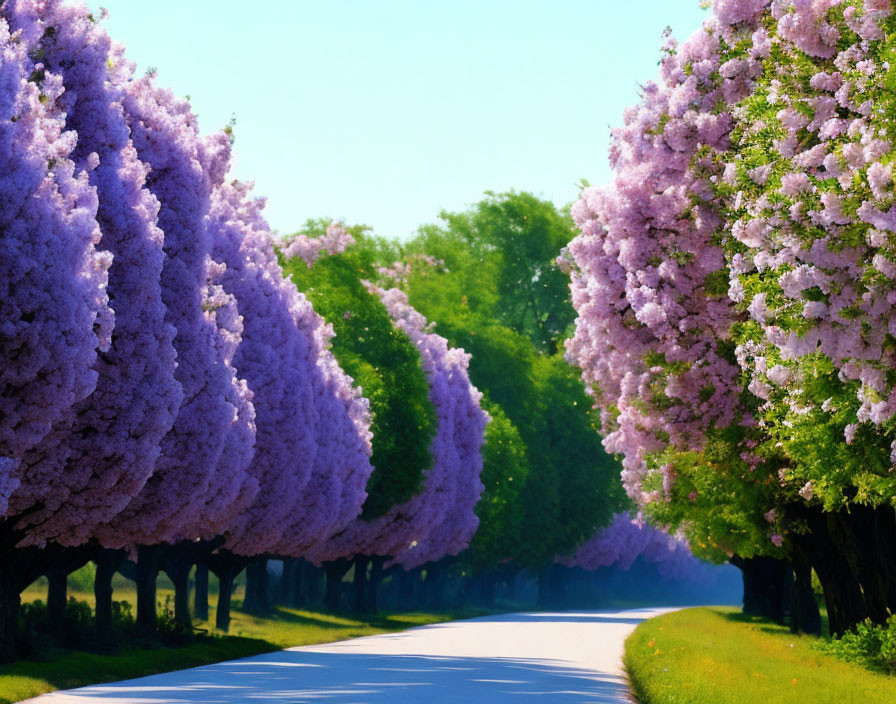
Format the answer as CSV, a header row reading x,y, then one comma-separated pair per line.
x,y
572,658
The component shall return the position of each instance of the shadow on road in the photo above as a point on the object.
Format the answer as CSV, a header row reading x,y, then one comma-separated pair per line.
x,y
366,672
300,676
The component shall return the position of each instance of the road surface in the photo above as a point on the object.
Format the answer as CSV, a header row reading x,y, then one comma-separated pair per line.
x,y
565,657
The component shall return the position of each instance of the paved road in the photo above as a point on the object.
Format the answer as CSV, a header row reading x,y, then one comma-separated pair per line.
x,y
567,657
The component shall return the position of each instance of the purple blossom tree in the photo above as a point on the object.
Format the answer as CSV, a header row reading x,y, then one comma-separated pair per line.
x,y
183,169
625,540
438,520
193,479
312,457
53,306
54,313
787,201
101,452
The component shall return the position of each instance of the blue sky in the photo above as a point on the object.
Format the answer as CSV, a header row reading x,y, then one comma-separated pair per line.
x,y
384,112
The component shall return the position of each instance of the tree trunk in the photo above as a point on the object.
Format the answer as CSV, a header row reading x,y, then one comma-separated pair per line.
x,y
225,591
867,538
804,615
200,597
544,586
226,567
9,615
256,601
489,582
288,582
359,601
558,579
147,573
434,585
373,583
312,578
64,562
19,567
107,562
335,571
842,592
842,595
406,587
508,574
177,561
57,597
180,576
766,586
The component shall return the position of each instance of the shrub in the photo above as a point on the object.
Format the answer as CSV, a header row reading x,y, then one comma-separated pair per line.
x,y
868,644
172,631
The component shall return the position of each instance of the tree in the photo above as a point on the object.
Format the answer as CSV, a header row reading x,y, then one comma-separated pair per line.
x,y
183,169
104,448
731,285
443,519
312,458
461,276
500,510
55,314
522,235
54,310
380,358
388,345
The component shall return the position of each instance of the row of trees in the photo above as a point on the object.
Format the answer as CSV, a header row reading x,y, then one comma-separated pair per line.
x,y
180,388
166,390
734,285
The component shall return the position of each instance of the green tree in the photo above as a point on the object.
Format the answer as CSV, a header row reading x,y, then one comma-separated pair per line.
x,y
381,359
488,279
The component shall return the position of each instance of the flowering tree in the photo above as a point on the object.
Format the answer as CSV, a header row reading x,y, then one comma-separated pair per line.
x,y
183,169
810,195
380,358
436,518
732,288
100,453
487,277
442,515
312,452
54,313
625,540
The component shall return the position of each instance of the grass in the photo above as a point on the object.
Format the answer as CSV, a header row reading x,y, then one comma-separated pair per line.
x,y
249,635
717,655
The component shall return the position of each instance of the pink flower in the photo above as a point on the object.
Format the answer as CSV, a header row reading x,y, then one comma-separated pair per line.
x,y
777,539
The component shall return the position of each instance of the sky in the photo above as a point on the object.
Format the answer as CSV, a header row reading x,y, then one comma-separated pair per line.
x,y
386,112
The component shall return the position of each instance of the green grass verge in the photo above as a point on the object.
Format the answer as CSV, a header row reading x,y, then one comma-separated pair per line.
x,y
719,656
249,635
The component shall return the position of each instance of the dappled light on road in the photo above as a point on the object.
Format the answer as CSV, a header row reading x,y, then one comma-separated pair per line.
x,y
568,657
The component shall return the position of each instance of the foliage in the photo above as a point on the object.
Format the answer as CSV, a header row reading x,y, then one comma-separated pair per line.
x,y
505,470
867,644
171,631
734,280
380,358
465,275
521,235
42,636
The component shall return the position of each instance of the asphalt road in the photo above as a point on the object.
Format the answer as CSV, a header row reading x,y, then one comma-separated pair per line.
x,y
565,658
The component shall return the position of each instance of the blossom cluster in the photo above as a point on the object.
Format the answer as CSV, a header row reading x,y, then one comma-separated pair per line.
x,y
736,277
439,519
626,540
163,381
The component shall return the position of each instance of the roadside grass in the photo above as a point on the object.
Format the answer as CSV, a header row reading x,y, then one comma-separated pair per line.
x,y
249,635
717,655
